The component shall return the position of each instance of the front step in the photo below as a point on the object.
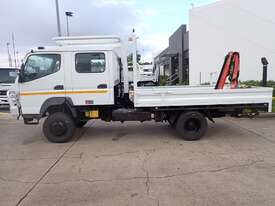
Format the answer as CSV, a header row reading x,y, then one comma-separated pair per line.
x,y
31,121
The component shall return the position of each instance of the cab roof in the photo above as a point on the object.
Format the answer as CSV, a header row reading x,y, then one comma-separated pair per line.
x,y
82,43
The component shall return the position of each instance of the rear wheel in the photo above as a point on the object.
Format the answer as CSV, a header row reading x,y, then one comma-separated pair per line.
x,y
59,127
192,126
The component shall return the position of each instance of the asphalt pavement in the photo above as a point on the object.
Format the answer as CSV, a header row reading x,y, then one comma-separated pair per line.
x,y
139,164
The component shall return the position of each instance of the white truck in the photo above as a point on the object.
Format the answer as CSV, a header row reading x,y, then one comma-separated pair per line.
x,y
146,75
7,79
85,78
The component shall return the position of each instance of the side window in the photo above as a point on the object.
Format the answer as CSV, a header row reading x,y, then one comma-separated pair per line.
x,y
40,65
90,63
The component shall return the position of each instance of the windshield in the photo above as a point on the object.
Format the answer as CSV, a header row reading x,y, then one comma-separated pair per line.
x,y
7,76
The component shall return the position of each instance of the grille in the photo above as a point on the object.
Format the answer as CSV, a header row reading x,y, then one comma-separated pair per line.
x,y
3,92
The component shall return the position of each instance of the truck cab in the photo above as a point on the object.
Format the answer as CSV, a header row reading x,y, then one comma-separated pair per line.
x,y
146,75
85,76
7,80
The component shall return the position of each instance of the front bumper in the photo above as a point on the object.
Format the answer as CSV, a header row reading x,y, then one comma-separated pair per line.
x,y
4,101
13,101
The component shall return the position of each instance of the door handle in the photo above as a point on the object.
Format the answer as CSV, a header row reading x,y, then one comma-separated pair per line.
x,y
102,86
59,87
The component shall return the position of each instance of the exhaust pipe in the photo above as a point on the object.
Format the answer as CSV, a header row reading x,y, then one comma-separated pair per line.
x,y
265,63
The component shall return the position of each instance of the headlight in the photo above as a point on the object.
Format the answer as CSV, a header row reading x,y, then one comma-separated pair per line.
x,y
13,97
12,94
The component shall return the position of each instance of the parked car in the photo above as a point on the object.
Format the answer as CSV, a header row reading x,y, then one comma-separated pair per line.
x,y
7,79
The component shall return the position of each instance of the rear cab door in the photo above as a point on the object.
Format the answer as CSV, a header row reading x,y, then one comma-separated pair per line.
x,y
91,78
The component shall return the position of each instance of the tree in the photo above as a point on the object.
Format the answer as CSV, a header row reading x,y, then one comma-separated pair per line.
x,y
259,83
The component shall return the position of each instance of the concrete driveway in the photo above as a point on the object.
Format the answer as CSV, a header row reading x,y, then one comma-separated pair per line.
x,y
139,164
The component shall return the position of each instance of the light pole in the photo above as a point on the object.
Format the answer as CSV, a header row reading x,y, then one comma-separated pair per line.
x,y
9,55
143,55
68,14
58,18
213,78
14,52
17,58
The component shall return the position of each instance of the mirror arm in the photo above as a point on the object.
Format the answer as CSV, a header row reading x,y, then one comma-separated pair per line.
x,y
21,73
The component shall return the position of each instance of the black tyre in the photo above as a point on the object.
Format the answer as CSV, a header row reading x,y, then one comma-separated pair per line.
x,y
59,127
192,126
80,124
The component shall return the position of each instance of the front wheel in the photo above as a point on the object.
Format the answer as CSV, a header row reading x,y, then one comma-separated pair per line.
x,y
192,126
59,127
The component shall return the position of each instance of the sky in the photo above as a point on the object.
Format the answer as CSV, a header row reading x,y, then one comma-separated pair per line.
x,y
33,22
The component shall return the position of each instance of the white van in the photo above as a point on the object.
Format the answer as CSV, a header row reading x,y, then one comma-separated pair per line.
x,y
7,80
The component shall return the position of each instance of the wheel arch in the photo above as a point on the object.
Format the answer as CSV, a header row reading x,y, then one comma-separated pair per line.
x,y
58,102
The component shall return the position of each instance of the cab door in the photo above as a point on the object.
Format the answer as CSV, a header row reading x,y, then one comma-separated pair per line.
x,y
42,78
90,79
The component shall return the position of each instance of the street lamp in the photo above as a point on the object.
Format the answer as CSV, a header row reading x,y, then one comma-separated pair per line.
x,y
68,14
58,18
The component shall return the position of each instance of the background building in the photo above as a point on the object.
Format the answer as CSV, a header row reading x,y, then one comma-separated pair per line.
x,y
174,60
240,25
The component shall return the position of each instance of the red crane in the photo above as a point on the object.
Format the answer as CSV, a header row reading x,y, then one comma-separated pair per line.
x,y
230,70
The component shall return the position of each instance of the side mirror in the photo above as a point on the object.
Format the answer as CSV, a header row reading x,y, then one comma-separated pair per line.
x,y
21,74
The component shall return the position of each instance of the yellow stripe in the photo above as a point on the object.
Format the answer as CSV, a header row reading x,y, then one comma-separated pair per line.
x,y
63,92
1,113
